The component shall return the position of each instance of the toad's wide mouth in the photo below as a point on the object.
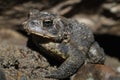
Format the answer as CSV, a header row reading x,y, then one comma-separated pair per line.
x,y
44,35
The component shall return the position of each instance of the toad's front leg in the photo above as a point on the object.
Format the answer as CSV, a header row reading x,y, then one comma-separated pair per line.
x,y
96,54
75,60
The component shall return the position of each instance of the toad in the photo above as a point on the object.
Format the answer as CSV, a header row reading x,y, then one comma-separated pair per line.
x,y
66,38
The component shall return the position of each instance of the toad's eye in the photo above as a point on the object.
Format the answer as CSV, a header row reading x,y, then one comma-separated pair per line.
x,y
48,23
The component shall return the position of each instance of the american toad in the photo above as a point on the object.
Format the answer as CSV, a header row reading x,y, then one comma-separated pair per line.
x,y
66,38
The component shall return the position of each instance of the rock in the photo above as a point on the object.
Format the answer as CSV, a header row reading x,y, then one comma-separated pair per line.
x,y
96,72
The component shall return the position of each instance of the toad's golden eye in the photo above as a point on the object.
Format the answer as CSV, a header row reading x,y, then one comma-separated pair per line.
x,y
47,23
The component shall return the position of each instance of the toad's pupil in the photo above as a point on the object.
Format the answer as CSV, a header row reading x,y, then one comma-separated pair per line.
x,y
47,23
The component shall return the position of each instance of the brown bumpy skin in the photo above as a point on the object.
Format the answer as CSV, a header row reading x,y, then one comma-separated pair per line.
x,y
64,38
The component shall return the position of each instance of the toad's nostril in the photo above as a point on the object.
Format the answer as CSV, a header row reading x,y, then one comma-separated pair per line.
x,y
34,22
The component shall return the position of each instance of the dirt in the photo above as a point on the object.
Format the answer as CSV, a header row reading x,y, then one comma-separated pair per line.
x,y
18,61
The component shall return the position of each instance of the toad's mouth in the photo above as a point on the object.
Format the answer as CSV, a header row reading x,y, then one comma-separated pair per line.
x,y
44,35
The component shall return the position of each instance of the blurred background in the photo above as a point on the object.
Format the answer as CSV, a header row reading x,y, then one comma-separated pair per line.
x,y
102,16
